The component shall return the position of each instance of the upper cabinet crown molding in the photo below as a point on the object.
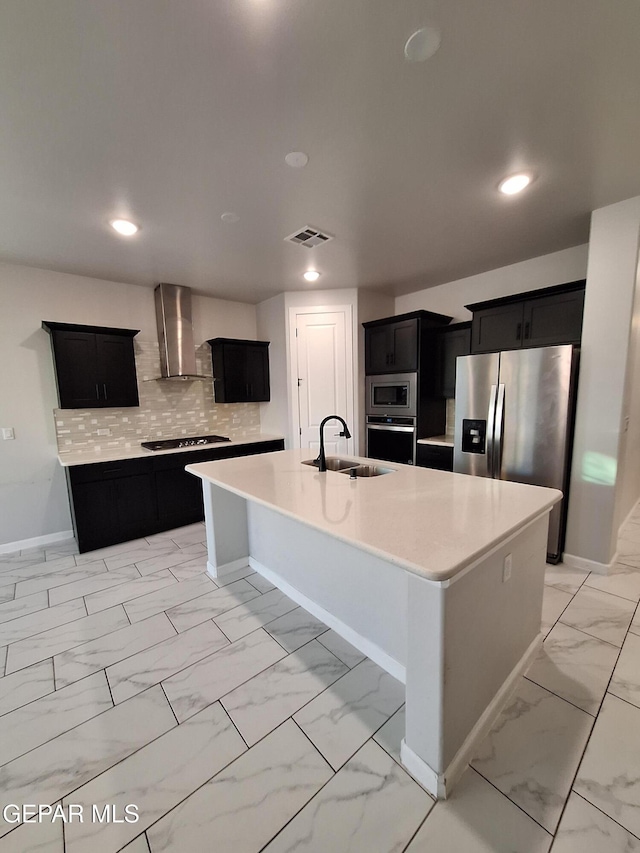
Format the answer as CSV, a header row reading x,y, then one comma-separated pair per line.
x,y
555,290
95,366
51,326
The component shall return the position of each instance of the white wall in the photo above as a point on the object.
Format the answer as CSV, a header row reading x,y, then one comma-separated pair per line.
x,y
33,497
272,326
629,491
607,362
450,298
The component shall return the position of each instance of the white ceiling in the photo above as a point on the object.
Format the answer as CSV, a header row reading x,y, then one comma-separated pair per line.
x,y
171,112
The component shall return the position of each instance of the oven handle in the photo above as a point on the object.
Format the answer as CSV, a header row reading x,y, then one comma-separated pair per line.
x,y
391,428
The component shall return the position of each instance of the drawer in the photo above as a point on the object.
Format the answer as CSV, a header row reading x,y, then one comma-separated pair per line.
x,y
219,451
169,461
432,456
109,470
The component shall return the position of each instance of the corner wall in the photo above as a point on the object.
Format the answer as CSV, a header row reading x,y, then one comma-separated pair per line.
x,y
33,494
629,491
601,488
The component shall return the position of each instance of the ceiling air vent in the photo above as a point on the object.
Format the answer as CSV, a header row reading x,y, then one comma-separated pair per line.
x,y
308,237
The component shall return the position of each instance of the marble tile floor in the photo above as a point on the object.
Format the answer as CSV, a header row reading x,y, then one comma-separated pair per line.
x,y
236,722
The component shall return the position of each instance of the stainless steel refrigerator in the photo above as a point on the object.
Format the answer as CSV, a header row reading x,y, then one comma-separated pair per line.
x,y
514,421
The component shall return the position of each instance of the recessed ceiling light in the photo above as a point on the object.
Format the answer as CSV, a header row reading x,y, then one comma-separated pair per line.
x,y
124,227
514,184
296,159
422,44
312,275
230,217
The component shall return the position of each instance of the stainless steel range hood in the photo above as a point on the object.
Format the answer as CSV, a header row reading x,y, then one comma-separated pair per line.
x,y
175,332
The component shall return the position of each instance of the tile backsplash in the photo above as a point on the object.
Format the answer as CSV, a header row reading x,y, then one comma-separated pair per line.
x,y
451,416
168,409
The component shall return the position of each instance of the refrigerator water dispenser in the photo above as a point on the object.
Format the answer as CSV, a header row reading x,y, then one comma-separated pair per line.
x,y
474,436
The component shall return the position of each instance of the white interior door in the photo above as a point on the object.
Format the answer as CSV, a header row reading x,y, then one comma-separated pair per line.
x,y
324,380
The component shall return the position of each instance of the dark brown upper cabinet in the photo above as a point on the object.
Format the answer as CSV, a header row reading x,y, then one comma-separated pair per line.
x,y
95,366
240,370
452,341
538,318
394,345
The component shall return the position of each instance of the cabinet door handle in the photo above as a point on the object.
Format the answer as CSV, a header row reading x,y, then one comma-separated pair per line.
x,y
518,331
104,388
526,330
97,392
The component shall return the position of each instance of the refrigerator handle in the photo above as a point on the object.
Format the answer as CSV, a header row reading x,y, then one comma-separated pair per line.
x,y
491,419
499,423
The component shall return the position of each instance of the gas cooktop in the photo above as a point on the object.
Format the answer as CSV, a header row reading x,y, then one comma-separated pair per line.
x,y
174,443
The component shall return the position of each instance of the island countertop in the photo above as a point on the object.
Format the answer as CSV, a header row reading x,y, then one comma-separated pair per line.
x,y
432,523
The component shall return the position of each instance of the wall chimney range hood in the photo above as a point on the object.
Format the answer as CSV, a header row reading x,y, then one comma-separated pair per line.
x,y
175,332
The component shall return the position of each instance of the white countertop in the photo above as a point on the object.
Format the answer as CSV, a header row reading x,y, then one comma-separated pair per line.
x,y
135,451
438,440
432,523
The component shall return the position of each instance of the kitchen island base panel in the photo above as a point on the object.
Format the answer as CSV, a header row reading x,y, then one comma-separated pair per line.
x,y
441,784
489,624
363,593
470,639
459,644
228,537
364,645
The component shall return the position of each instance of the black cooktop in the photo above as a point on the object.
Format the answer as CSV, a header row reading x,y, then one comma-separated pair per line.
x,y
174,443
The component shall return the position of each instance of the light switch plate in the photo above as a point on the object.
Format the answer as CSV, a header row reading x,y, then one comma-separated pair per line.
x,y
8,433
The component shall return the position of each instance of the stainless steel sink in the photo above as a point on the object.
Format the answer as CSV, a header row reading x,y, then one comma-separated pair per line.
x,y
367,471
346,466
334,463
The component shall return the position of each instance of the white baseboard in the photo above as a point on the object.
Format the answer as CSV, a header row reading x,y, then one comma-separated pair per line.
x,y
628,516
589,565
377,655
36,541
420,770
592,565
440,785
226,568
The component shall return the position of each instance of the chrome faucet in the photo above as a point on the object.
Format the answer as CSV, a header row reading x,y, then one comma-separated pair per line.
x,y
321,459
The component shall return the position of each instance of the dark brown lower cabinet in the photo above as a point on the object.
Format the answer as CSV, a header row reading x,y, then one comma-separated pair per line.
x,y
434,456
114,502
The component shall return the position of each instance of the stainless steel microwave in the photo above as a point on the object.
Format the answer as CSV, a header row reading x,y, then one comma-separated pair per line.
x,y
392,394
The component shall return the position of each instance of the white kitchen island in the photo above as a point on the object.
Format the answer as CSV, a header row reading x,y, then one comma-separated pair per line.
x,y
437,577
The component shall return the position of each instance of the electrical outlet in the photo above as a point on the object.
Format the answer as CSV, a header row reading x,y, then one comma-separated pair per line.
x,y
8,433
506,569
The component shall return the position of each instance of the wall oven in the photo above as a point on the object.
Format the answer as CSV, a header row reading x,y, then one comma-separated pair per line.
x,y
391,438
394,394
